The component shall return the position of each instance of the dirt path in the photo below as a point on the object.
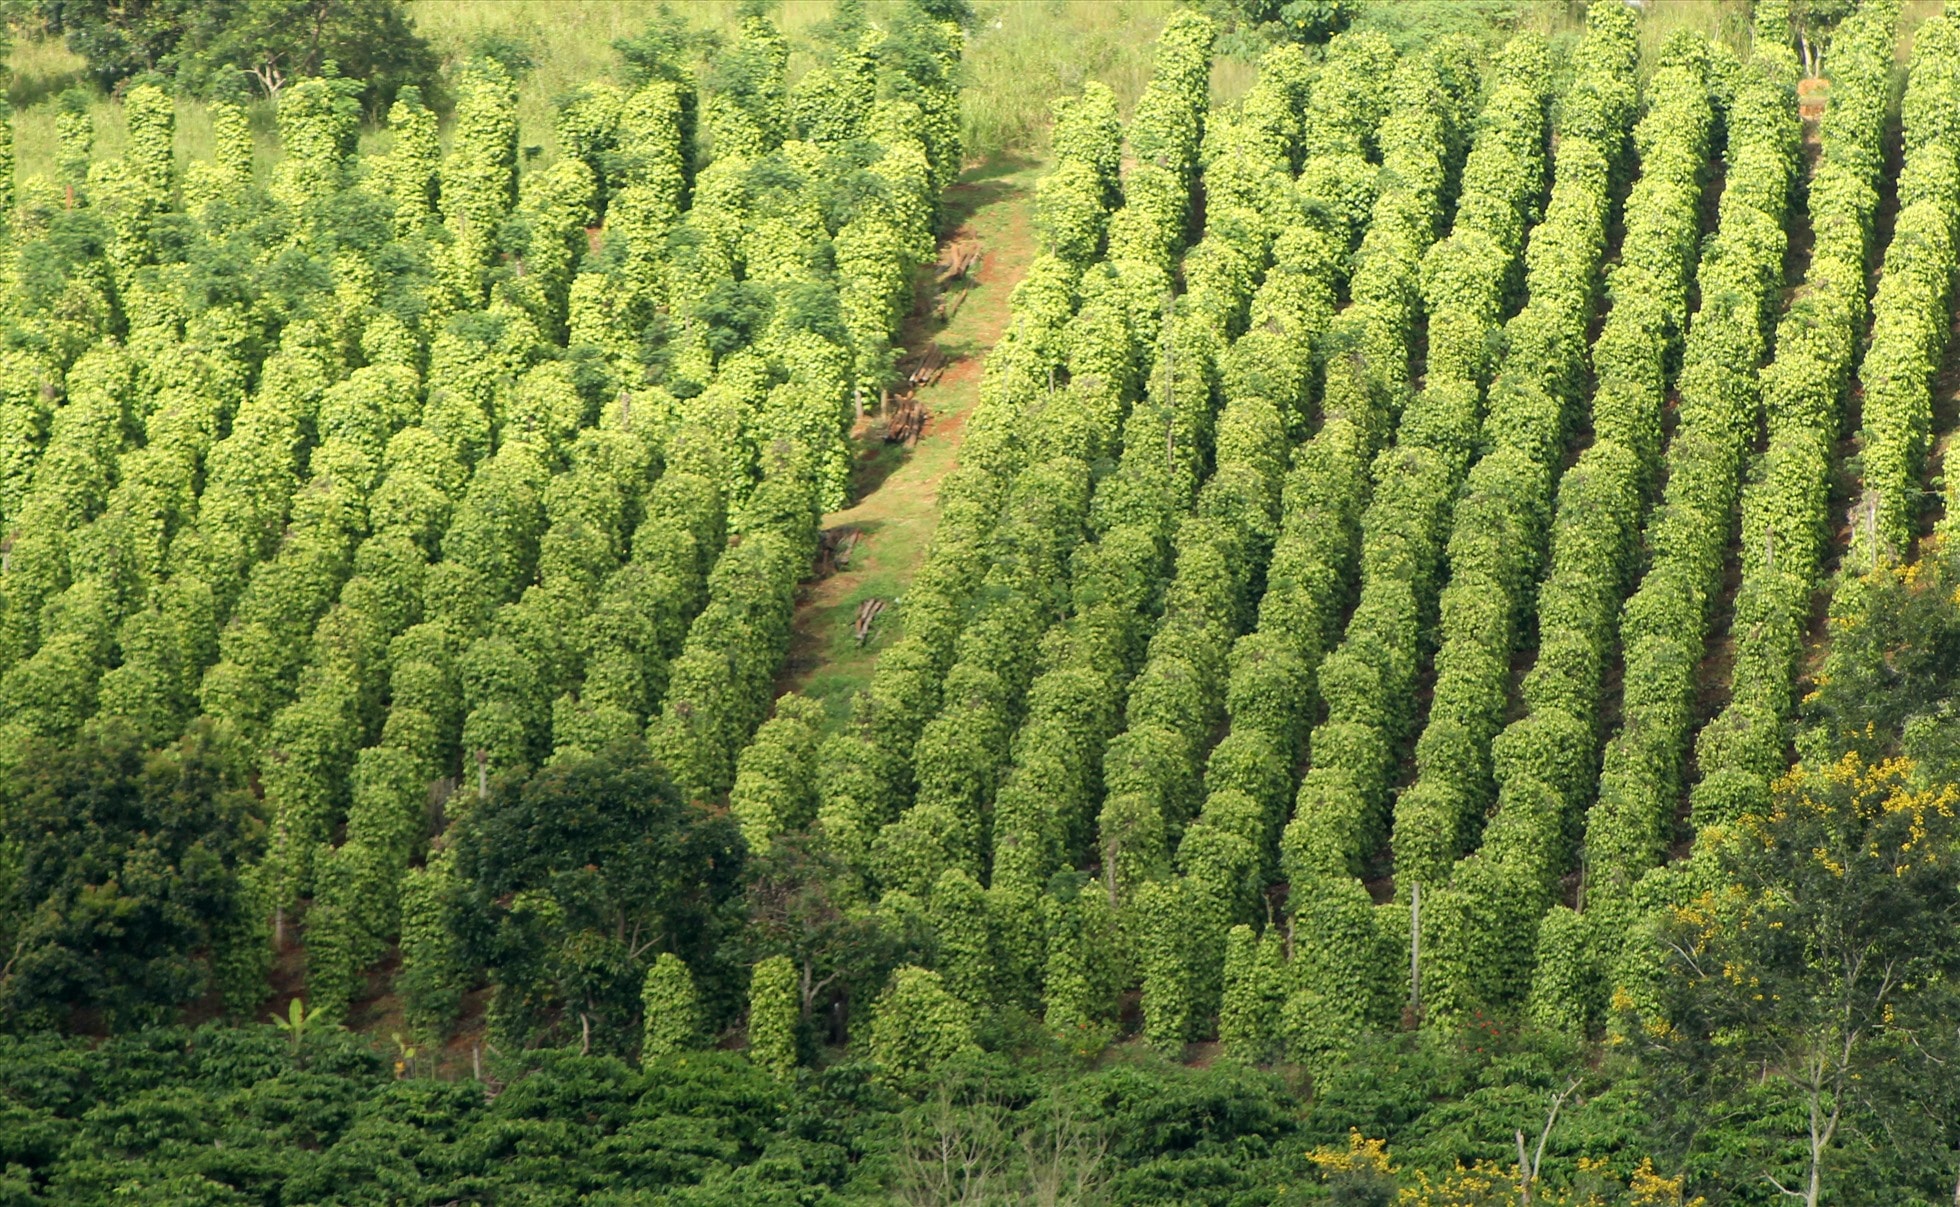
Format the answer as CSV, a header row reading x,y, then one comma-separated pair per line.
x,y
896,489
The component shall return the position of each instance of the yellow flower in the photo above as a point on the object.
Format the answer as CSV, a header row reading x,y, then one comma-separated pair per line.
x,y
1361,1154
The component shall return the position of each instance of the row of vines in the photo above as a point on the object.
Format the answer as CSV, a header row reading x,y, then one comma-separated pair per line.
x,y
404,473
1395,525
1325,629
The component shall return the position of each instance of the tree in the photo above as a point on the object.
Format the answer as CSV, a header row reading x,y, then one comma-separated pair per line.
x,y
117,39
577,878
666,50
1812,22
1814,962
796,908
272,41
121,869
1310,21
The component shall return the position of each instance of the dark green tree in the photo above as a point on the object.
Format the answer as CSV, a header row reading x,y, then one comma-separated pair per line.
x,y
576,880
120,869
1310,21
841,951
206,44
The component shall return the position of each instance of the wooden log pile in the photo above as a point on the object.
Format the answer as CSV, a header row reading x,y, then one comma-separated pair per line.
x,y
907,421
867,612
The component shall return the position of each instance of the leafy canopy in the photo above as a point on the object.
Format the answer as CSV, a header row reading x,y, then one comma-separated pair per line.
x,y
207,44
120,871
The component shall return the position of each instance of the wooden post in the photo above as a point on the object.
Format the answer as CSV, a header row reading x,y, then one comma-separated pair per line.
x,y
1415,950
1170,389
1871,525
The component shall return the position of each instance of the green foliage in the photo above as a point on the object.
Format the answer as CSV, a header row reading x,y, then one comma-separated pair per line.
x,y
1907,337
747,95
670,1007
1368,679
1288,20
775,778
1665,622
917,1026
1884,681
773,1016
1499,529
963,936
1340,982
572,883
274,42
427,487
719,684
1814,955
1785,507
123,868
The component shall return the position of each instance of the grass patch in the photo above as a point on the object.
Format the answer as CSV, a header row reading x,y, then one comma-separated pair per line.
x,y
1020,56
896,503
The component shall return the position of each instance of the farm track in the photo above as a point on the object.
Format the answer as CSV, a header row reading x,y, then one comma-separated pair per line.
x,y
895,507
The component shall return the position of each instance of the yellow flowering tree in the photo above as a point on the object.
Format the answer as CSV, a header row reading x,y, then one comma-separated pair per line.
x,y
1807,983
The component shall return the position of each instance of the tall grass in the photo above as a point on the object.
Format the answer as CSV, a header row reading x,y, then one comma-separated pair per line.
x,y
1021,54
43,68
571,43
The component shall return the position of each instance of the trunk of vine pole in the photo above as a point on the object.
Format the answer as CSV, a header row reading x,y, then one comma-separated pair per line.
x,y
1415,951
1524,1173
857,402
1871,524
